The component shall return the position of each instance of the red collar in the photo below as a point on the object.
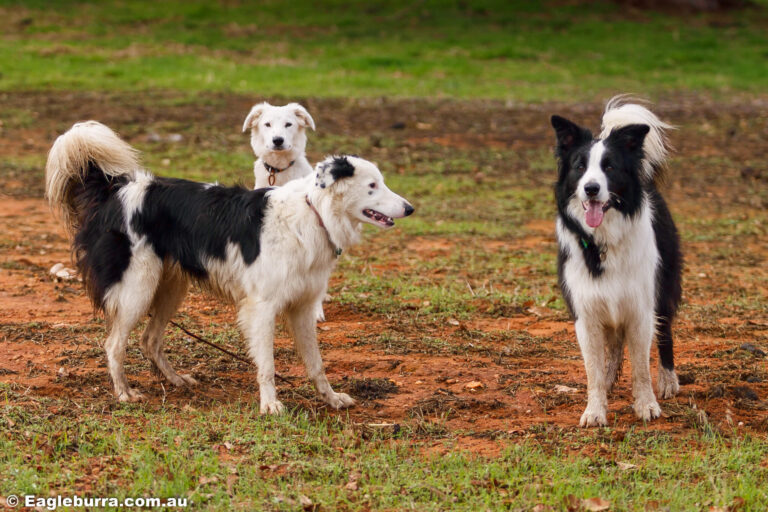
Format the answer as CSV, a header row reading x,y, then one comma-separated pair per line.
x,y
336,250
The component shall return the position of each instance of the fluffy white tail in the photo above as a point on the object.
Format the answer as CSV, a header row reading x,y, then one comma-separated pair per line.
x,y
620,111
87,147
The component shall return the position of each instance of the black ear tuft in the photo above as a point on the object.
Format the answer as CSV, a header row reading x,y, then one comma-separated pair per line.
x,y
569,134
341,168
630,137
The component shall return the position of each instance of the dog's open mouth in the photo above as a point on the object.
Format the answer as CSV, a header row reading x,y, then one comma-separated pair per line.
x,y
595,210
379,218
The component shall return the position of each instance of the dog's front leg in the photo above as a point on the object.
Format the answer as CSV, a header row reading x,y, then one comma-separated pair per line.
x,y
640,340
592,343
257,320
302,323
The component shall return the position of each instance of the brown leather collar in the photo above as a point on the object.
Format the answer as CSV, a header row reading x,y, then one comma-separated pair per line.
x,y
272,170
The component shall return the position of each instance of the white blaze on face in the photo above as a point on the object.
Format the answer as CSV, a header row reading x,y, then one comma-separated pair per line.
x,y
594,180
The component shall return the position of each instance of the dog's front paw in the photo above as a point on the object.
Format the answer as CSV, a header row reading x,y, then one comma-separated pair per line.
x,y
273,407
319,313
339,400
647,409
668,383
594,416
130,395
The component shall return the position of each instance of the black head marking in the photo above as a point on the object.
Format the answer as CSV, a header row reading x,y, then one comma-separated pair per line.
x,y
569,135
630,137
341,168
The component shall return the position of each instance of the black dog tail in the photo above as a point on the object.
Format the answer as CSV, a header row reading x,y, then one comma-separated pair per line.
x,y
85,167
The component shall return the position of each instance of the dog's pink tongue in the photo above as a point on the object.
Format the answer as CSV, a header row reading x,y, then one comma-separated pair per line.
x,y
594,214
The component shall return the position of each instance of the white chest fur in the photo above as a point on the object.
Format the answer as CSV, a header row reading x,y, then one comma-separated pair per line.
x,y
627,286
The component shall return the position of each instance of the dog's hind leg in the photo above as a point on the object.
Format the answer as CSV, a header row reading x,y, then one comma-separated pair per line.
x,y
639,335
302,323
614,354
591,338
668,384
124,304
169,296
257,321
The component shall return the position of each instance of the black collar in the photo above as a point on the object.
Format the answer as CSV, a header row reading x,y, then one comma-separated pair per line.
x,y
272,170
336,250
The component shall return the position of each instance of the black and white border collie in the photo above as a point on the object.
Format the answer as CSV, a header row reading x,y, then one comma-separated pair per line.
x,y
140,240
619,259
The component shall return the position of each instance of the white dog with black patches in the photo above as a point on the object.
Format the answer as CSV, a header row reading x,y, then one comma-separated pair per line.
x,y
140,240
279,140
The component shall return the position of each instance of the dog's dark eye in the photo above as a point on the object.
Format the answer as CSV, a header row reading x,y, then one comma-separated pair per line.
x,y
581,168
288,125
267,125
372,185
608,168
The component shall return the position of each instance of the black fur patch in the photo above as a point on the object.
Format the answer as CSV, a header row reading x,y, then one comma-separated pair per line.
x,y
341,168
669,289
101,246
188,222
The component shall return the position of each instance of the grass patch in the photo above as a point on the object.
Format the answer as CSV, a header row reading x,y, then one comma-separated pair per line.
x,y
517,50
232,458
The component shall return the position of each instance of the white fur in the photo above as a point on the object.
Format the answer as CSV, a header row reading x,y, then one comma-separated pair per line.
x,y
594,173
266,122
618,113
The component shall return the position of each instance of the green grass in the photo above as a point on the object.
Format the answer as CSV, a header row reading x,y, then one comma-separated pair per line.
x,y
232,458
525,51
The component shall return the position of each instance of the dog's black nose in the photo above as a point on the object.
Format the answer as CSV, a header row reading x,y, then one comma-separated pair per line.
x,y
592,189
408,209
277,141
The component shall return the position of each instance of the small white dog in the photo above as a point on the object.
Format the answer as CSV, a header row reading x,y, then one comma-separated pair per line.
x,y
278,139
140,240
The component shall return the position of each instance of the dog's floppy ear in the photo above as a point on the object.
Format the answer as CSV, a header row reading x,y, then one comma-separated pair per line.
x,y
253,116
569,134
302,115
333,169
630,137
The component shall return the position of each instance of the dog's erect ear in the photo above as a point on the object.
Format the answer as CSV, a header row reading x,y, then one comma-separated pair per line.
x,y
630,137
569,134
253,116
333,169
303,116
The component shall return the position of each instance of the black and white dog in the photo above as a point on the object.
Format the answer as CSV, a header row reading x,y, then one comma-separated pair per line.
x,y
140,240
619,260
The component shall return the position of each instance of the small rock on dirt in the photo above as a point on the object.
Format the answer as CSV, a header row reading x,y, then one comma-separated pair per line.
x,y
752,349
744,392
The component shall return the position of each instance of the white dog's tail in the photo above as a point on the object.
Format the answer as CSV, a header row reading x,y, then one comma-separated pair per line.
x,y
621,111
82,167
